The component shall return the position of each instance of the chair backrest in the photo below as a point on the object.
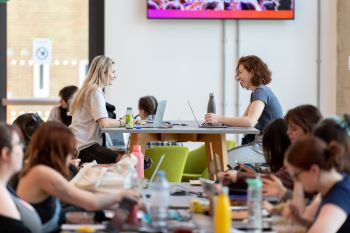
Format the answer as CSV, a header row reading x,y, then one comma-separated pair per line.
x,y
197,160
173,164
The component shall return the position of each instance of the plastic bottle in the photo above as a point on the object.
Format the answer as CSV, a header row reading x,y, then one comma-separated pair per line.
x,y
254,203
129,119
211,104
136,150
159,201
222,213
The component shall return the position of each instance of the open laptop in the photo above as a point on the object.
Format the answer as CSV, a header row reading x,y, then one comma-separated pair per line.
x,y
147,182
158,119
216,125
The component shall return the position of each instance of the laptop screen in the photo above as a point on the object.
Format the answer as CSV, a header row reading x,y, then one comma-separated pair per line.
x,y
158,119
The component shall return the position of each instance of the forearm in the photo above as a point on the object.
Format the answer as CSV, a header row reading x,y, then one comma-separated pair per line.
x,y
108,122
106,201
243,121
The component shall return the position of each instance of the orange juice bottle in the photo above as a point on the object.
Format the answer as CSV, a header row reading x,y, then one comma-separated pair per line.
x,y
222,213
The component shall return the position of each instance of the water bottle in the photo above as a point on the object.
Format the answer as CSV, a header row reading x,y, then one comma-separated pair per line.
x,y
254,203
159,201
222,213
136,150
211,104
129,118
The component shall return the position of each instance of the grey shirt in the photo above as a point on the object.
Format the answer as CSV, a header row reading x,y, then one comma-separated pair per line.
x,y
272,110
29,217
84,125
55,114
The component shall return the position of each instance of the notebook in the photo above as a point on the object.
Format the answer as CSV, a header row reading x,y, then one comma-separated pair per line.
x,y
217,125
147,182
158,119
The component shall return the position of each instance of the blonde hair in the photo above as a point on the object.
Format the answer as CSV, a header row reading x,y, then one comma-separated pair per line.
x,y
97,77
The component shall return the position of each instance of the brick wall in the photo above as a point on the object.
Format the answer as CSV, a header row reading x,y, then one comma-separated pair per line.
x,y
65,22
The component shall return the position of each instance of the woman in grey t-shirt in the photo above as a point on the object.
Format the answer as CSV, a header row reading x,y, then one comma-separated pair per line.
x,y
253,74
89,114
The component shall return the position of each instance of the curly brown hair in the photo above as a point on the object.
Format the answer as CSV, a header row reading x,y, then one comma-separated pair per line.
x,y
51,144
258,68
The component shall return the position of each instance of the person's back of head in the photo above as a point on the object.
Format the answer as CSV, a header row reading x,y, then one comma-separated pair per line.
x,y
311,150
275,143
329,130
67,92
306,116
148,104
28,123
52,145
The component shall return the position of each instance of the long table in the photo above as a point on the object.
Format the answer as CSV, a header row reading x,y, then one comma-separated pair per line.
x,y
214,138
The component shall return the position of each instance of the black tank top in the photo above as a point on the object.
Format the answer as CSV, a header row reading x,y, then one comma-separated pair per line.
x,y
46,209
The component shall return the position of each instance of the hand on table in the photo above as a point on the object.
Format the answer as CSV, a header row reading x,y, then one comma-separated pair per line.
x,y
228,177
211,118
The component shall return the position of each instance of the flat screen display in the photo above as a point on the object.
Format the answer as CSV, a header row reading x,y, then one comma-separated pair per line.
x,y
220,9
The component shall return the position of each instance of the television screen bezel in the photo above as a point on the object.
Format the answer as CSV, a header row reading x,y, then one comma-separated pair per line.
x,y
223,18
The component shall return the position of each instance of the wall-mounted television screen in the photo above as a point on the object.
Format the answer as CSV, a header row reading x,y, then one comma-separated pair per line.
x,y
220,9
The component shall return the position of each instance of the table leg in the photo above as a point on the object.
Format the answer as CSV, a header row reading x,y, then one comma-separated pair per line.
x,y
215,146
142,139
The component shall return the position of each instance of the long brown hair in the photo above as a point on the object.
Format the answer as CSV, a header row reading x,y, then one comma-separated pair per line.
x,y
51,144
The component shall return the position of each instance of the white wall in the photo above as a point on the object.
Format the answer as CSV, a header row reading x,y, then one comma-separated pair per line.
x,y
183,59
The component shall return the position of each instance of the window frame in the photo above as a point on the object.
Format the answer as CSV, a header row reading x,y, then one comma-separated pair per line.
x,y
96,38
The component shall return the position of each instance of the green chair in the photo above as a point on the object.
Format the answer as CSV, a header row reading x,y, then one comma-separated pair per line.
x,y
196,162
173,163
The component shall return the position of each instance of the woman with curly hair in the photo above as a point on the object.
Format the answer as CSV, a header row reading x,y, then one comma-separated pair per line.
x,y
253,74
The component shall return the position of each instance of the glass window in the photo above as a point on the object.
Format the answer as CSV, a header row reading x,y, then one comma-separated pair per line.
x,y
65,24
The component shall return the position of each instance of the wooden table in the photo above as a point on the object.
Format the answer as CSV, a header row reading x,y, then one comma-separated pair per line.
x,y
214,138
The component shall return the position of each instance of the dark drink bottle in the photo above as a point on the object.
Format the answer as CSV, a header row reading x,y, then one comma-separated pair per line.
x,y
211,104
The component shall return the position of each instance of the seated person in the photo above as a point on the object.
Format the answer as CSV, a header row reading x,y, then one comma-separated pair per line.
x,y
60,113
15,214
275,134
301,121
89,113
147,107
254,75
313,163
44,178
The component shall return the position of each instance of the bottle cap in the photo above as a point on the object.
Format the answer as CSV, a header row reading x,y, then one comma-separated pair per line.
x,y
129,108
211,94
254,182
136,148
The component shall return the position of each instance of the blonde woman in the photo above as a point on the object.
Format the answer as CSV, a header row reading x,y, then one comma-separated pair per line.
x,y
89,114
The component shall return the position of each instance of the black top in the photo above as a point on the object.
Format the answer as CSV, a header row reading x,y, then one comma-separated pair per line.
x,y
11,225
46,209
